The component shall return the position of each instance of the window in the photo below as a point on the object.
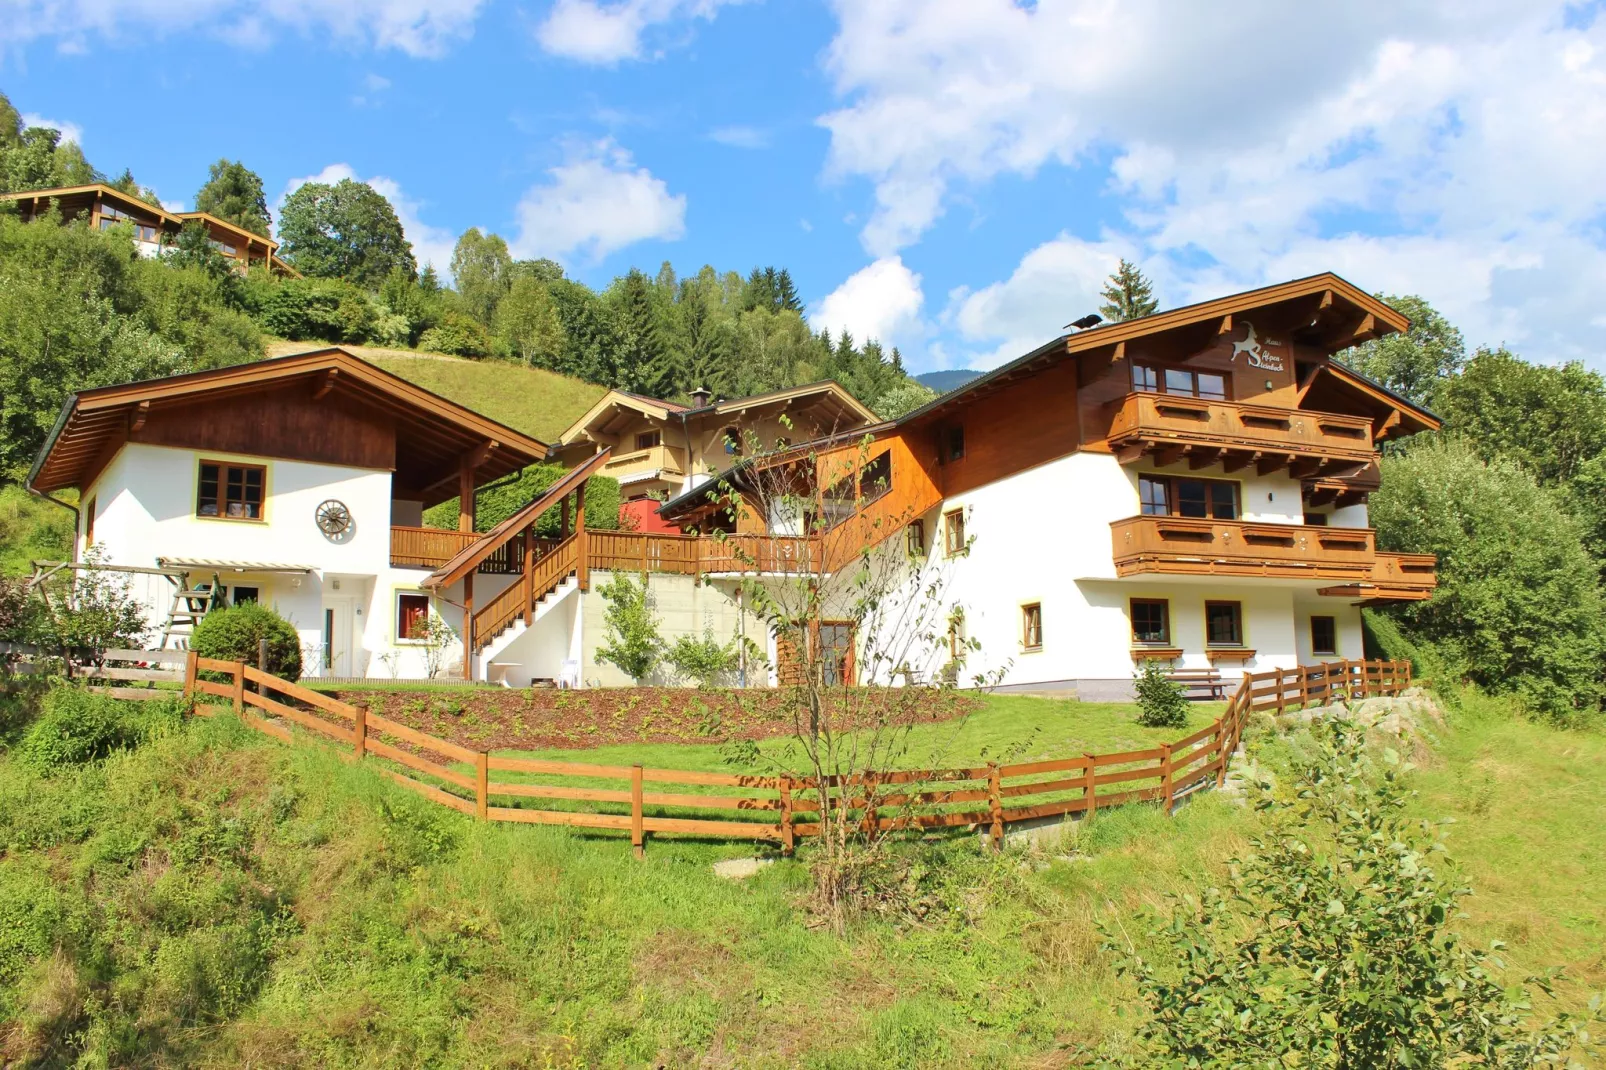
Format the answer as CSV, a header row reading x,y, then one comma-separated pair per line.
x,y
1185,381
144,232
328,639
954,532
89,523
1151,620
953,444
875,478
1224,624
646,440
1316,520
1323,635
232,491
917,538
1031,626
1215,499
412,615
239,596
733,441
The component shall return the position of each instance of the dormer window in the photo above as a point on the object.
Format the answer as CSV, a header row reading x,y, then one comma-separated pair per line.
x,y
646,440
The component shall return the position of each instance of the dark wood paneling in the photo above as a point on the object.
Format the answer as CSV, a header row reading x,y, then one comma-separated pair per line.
x,y
284,423
1022,425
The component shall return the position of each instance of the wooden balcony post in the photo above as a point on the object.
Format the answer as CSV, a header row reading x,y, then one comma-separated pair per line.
x,y
529,574
468,626
465,496
583,567
563,528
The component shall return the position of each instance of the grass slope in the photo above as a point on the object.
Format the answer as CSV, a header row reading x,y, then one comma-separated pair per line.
x,y
214,898
531,400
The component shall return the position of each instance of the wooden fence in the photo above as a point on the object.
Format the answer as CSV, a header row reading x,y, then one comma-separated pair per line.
x,y
782,809
110,673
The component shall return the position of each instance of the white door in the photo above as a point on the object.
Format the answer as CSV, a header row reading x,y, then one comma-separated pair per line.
x,y
337,644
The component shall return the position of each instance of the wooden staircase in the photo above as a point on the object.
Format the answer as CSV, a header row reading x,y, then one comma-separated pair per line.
x,y
520,600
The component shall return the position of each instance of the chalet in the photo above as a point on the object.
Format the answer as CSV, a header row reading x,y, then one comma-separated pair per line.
x,y
154,227
661,448
1190,488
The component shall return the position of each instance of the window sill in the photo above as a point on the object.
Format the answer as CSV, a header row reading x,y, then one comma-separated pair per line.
x,y
1163,653
1226,653
1032,649
234,519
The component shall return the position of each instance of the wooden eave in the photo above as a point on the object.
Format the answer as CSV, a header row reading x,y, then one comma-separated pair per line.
x,y
598,420
1338,315
1377,401
607,406
432,433
825,392
475,553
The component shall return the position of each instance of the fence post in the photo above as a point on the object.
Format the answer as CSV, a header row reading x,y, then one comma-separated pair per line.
x,y
239,687
1223,735
482,786
1090,784
995,804
359,730
1166,786
787,842
191,668
638,832
1281,701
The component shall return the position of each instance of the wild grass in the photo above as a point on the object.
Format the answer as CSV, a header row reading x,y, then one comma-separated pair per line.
x,y
31,529
215,898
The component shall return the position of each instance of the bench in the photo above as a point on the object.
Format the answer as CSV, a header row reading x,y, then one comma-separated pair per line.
x,y
1206,680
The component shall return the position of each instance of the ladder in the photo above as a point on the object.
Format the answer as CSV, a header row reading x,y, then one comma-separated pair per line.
x,y
188,607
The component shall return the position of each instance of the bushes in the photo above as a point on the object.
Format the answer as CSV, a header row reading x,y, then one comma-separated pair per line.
x,y
496,504
457,335
322,309
233,634
77,726
1161,703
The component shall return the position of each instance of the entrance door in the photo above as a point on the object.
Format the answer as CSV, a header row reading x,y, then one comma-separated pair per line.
x,y
832,644
337,645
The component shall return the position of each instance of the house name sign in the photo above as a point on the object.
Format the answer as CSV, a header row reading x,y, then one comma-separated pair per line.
x,y
1256,355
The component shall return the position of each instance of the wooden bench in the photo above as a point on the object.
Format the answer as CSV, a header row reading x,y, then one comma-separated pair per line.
x,y
1206,680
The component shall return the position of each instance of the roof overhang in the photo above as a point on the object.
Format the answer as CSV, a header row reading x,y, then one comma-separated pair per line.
x,y
431,431
827,393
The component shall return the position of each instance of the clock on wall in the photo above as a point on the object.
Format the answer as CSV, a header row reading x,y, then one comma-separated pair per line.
x,y
333,518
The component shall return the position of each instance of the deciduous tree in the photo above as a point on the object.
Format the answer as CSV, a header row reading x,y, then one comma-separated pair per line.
x,y
1416,363
347,230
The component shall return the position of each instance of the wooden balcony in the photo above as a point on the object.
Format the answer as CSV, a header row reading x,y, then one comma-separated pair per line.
x,y
1184,546
1172,428
1394,578
657,460
426,547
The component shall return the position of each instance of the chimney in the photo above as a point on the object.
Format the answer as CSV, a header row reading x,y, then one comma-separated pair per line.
x,y
700,397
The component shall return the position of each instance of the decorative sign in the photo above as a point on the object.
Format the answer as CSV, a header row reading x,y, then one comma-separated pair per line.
x,y
1256,355
333,518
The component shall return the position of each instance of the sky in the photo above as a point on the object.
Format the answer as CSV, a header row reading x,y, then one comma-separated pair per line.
x,y
954,177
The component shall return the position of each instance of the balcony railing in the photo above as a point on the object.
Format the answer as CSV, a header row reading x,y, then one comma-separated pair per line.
x,y
1235,434
426,547
667,459
1175,545
1394,578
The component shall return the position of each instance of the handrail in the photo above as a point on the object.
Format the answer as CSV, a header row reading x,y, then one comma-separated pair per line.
x,y
779,808
521,595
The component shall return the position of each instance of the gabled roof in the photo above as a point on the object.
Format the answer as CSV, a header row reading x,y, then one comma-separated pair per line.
x,y
826,391
1348,313
432,433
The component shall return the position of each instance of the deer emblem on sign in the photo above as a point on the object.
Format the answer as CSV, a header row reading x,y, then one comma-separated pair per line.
x,y
1256,355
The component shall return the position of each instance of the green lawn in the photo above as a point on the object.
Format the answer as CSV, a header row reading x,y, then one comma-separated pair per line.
x,y
216,898
532,400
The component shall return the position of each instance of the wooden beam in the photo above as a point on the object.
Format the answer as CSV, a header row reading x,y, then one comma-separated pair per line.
x,y
583,562
1226,325
1120,351
1390,424
1130,454
137,423
1236,461
325,384
1271,462
1350,497
1305,468
1169,456
1326,302
1367,328
465,497
1204,458
1323,496
468,626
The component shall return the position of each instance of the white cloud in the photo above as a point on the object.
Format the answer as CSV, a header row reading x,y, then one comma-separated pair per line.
x,y
431,244
416,27
1056,282
740,137
597,201
69,131
592,31
1448,149
881,301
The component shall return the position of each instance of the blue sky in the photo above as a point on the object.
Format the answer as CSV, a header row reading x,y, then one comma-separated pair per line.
x,y
953,176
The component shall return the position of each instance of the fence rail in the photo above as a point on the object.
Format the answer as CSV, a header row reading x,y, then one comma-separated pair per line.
x,y
107,672
783,809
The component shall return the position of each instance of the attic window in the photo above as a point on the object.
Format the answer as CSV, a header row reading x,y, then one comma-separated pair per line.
x,y
230,491
953,444
646,440
733,441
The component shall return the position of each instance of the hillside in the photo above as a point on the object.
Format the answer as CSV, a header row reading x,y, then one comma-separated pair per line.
x,y
944,381
537,402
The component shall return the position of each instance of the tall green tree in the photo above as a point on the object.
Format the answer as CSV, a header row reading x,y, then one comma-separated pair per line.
x,y
527,323
1550,420
233,193
1414,364
1128,294
642,361
347,230
1518,607
483,270
35,157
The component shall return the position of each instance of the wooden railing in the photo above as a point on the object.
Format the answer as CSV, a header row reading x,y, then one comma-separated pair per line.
x,y
785,808
427,547
1185,545
655,458
1144,422
110,672
556,561
693,555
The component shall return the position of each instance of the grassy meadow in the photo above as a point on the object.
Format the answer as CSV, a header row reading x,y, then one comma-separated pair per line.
x,y
215,898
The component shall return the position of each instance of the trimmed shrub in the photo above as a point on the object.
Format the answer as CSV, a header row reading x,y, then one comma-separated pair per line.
x,y
1161,703
233,634
456,335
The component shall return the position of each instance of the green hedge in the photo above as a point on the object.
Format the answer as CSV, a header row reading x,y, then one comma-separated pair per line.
x,y
495,506
232,634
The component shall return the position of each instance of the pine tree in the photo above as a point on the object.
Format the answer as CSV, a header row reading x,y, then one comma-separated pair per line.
x,y
642,362
786,293
1128,295
897,361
